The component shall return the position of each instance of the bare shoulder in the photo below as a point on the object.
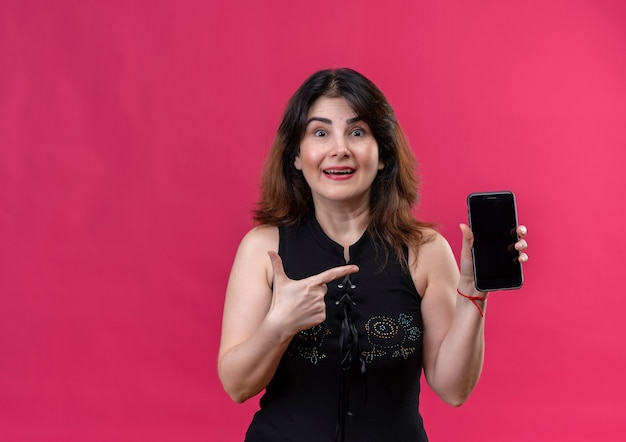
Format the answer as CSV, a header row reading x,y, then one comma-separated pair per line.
x,y
253,248
252,257
432,260
249,290
434,246
263,236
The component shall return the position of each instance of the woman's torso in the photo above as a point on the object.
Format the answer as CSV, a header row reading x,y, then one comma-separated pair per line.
x,y
376,399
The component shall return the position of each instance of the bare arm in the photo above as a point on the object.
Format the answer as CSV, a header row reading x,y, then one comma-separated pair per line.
x,y
263,310
453,327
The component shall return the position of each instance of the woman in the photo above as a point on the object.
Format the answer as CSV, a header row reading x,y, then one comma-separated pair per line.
x,y
339,297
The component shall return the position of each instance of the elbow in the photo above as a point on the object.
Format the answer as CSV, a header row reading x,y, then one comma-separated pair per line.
x,y
236,392
456,398
455,392
456,401
237,395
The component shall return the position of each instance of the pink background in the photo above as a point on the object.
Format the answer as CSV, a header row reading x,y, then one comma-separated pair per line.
x,y
131,138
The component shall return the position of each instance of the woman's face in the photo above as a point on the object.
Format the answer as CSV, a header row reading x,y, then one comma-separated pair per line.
x,y
338,154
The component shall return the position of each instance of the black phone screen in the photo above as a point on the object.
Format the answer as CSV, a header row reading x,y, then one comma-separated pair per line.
x,y
493,220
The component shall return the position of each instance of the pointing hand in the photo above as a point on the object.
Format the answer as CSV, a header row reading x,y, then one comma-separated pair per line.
x,y
300,303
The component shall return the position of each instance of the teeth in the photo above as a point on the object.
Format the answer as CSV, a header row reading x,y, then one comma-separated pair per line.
x,y
339,172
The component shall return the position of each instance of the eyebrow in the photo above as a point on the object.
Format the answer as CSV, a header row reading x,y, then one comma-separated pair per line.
x,y
328,121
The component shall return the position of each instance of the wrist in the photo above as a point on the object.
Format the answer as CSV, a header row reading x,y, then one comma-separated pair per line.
x,y
478,300
469,288
278,329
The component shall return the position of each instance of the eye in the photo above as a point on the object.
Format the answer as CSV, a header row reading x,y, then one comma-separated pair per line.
x,y
319,133
358,132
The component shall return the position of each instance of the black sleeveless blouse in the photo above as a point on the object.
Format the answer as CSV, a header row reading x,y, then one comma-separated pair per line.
x,y
356,376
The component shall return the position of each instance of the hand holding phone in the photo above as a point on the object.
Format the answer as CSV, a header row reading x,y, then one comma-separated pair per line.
x,y
493,220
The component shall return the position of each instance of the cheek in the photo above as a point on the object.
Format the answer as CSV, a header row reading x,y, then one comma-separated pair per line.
x,y
371,156
309,158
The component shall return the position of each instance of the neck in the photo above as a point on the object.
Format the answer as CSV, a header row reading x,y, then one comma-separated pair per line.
x,y
343,225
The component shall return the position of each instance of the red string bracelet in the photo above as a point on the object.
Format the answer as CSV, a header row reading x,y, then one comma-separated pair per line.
x,y
474,299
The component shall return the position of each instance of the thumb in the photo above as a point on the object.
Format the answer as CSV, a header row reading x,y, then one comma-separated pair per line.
x,y
277,266
468,240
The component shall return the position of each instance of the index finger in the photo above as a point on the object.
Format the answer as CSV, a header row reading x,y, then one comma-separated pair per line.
x,y
334,273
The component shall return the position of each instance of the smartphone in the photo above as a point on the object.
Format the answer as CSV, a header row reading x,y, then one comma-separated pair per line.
x,y
493,220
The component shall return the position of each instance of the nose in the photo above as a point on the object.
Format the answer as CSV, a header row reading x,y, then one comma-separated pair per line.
x,y
340,148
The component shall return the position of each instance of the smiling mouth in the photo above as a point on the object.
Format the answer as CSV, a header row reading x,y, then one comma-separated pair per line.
x,y
339,171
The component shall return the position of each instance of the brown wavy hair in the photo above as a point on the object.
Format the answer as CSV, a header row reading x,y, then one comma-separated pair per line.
x,y
285,195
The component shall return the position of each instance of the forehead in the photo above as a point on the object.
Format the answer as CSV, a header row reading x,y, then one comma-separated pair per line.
x,y
331,107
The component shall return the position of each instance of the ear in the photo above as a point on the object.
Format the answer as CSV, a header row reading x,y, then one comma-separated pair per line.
x,y
297,162
381,164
